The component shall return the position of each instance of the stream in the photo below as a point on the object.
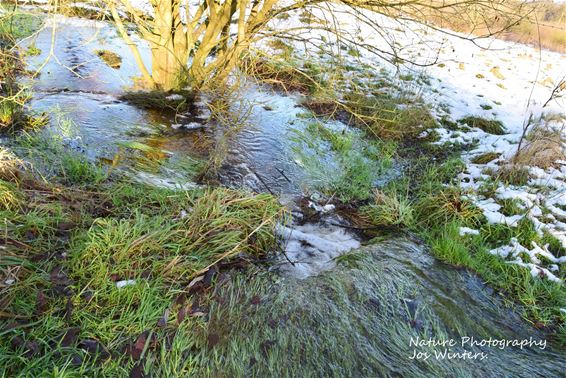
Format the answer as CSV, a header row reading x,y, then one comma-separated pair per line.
x,y
339,308
359,319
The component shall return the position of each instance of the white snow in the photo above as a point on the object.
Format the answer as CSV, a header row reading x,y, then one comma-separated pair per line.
x,y
124,283
312,248
491,78
468,231
174,97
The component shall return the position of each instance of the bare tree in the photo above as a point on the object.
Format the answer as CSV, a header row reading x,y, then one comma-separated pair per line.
x,y
178,31
202,42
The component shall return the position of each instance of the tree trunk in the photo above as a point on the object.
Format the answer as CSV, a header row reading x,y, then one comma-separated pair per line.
x,y
169,53
166,68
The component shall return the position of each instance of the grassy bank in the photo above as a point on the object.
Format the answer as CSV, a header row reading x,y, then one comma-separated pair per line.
x,y
90,268
428,203
97,272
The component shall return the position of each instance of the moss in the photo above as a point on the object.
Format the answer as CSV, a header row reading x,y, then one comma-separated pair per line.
x,y
485,157
32,50
354,52
112,59
17,23
285,49
449,124
158,100
283,16
490,126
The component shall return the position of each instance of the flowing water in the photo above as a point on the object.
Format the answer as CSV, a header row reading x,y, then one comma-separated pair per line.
x,y
82,95
359,318
354,319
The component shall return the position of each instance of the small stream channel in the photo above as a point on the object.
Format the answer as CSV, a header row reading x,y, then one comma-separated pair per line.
x,y
357,316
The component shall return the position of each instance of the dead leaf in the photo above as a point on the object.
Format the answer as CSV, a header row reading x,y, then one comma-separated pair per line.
x,y
213,339
181,298
68,310
70,337
31,347
41,303
138,347
266,346
94,347
181,314
195,285
162,322
209,276
76,360
137,371
59,277
65,226
61,281
87,295
255,300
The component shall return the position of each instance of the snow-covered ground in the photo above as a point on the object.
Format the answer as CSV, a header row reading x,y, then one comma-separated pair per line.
x,y
489,78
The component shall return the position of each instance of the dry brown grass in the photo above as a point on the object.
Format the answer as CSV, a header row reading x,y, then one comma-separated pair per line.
x,y
543,22
542,148
10,165
552,35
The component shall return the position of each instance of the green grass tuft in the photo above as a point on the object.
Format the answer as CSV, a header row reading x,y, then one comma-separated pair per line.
x,y
10,196
76,169
390,209
219,224
491,126
486,157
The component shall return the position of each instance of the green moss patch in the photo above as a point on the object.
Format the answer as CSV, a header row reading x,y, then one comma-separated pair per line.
x,y
491,126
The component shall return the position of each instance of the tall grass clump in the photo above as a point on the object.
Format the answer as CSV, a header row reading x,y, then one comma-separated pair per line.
x,y
14,25
10,196
542,147
218,225
390,208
